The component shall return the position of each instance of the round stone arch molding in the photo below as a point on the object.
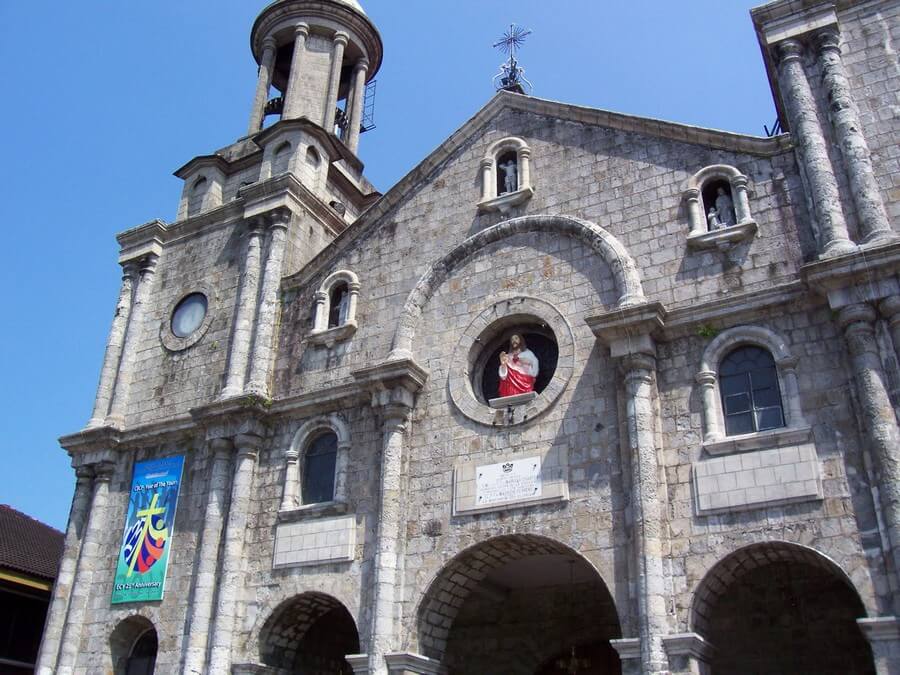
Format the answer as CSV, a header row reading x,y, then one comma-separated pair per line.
x,y
716,580
786,371
490,322
171,341
611,251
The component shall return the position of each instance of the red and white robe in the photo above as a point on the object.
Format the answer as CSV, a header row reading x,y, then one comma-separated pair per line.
x,y
519,374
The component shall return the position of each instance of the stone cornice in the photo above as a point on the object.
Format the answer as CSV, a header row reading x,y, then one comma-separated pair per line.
x,y
688,644
405,662
336,149
404,373
216,161
629,330
142,240
862,276
264,196
502,101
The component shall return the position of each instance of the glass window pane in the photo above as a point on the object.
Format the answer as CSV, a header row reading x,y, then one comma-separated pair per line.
x,y
737,404
764,377
189,315
318,470
764,398
769,418
739,424
734,384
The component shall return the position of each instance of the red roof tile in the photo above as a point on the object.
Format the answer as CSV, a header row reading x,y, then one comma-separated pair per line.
x,y
27,545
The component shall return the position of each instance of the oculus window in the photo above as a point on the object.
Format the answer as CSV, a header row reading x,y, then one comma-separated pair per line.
x,y
189,314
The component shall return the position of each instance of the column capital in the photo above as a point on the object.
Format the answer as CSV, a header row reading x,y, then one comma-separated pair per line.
x,y
221,446
362,64
279,218
487,162
84,474
828,39
292,455
789,50
148,263
301,28
341,38
321,296
706,378
692,193
638,366
860,313
269,43
103,471
740,181
256,225
248,444
129,270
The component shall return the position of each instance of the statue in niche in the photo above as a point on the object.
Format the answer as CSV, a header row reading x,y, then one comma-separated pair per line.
x,y
510,176
712,220
725,208
518,368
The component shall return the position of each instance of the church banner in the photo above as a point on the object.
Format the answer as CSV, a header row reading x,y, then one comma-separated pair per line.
x,y
144,554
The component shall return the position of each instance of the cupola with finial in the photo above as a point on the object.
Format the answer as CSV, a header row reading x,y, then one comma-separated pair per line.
x,y
319,55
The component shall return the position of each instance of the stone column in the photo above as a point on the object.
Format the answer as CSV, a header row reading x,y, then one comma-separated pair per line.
x,y
395,406
524,168
873,221
242,332
263,82
639,370
357,100
883,634
821,184
487,177
788,369
208,558
62,587
290,498
340,470
321,319
133,334
114,346
267,312
878,419
334,80
695,212
292,97
231,579
741,199
82,587
712,429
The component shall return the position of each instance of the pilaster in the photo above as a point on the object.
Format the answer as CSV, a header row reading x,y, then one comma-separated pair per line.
x,y
242,332
84,573
231,578
873,221
114,345
267,311
821,185
62,586
221,450
133,333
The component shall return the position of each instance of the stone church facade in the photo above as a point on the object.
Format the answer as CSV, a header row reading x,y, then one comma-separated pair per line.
x,y
704,479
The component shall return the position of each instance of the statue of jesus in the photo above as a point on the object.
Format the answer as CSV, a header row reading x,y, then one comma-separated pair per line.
x,y
518,368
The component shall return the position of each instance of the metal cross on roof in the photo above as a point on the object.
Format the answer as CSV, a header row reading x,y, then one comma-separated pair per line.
x,y
512,77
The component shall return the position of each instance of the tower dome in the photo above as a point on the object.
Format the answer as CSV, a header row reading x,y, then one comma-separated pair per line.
x,y
319,55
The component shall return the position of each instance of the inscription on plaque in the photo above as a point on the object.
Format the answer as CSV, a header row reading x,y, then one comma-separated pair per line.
x,y
508,481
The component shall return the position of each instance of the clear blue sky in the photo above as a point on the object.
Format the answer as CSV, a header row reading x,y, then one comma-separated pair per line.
x,y
104,99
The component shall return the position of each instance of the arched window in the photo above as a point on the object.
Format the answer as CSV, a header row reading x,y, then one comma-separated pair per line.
x,y
142,660
748,384
281,159
339,302
318,469
718,207
133,645
505,175
316,463
195,199
335,311
312,157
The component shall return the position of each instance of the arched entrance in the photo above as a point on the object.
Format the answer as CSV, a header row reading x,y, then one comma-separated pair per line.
x,y
310,634
133,645
776,608
519,605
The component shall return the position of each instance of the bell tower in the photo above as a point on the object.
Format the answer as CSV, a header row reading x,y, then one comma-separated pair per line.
x,y
318,55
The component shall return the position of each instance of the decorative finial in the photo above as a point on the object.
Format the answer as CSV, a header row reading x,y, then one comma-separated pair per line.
x,y
512,77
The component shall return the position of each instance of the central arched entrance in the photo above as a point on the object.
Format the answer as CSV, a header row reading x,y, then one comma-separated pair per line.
x,y
310,634
519,605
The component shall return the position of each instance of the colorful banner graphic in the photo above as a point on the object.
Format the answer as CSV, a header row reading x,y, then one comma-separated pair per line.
x,y
144,555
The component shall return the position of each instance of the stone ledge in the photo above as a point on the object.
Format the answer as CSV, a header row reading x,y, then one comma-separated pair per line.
x,y
776,438
691,645
628,648
508,401
312,511
880,628
505,202
331,335
406,662
723,238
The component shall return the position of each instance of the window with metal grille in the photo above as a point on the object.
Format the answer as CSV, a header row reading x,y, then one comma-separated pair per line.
x,y
318,469
751,399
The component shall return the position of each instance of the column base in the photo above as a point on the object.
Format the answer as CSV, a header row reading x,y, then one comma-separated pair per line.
x,y
880,238
838,247
883,634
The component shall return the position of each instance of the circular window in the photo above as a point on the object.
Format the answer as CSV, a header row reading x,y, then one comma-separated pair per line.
x,y
189,314
187,319
476,378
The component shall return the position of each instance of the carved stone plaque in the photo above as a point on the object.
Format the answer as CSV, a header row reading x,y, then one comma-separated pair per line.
x,y
508,481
